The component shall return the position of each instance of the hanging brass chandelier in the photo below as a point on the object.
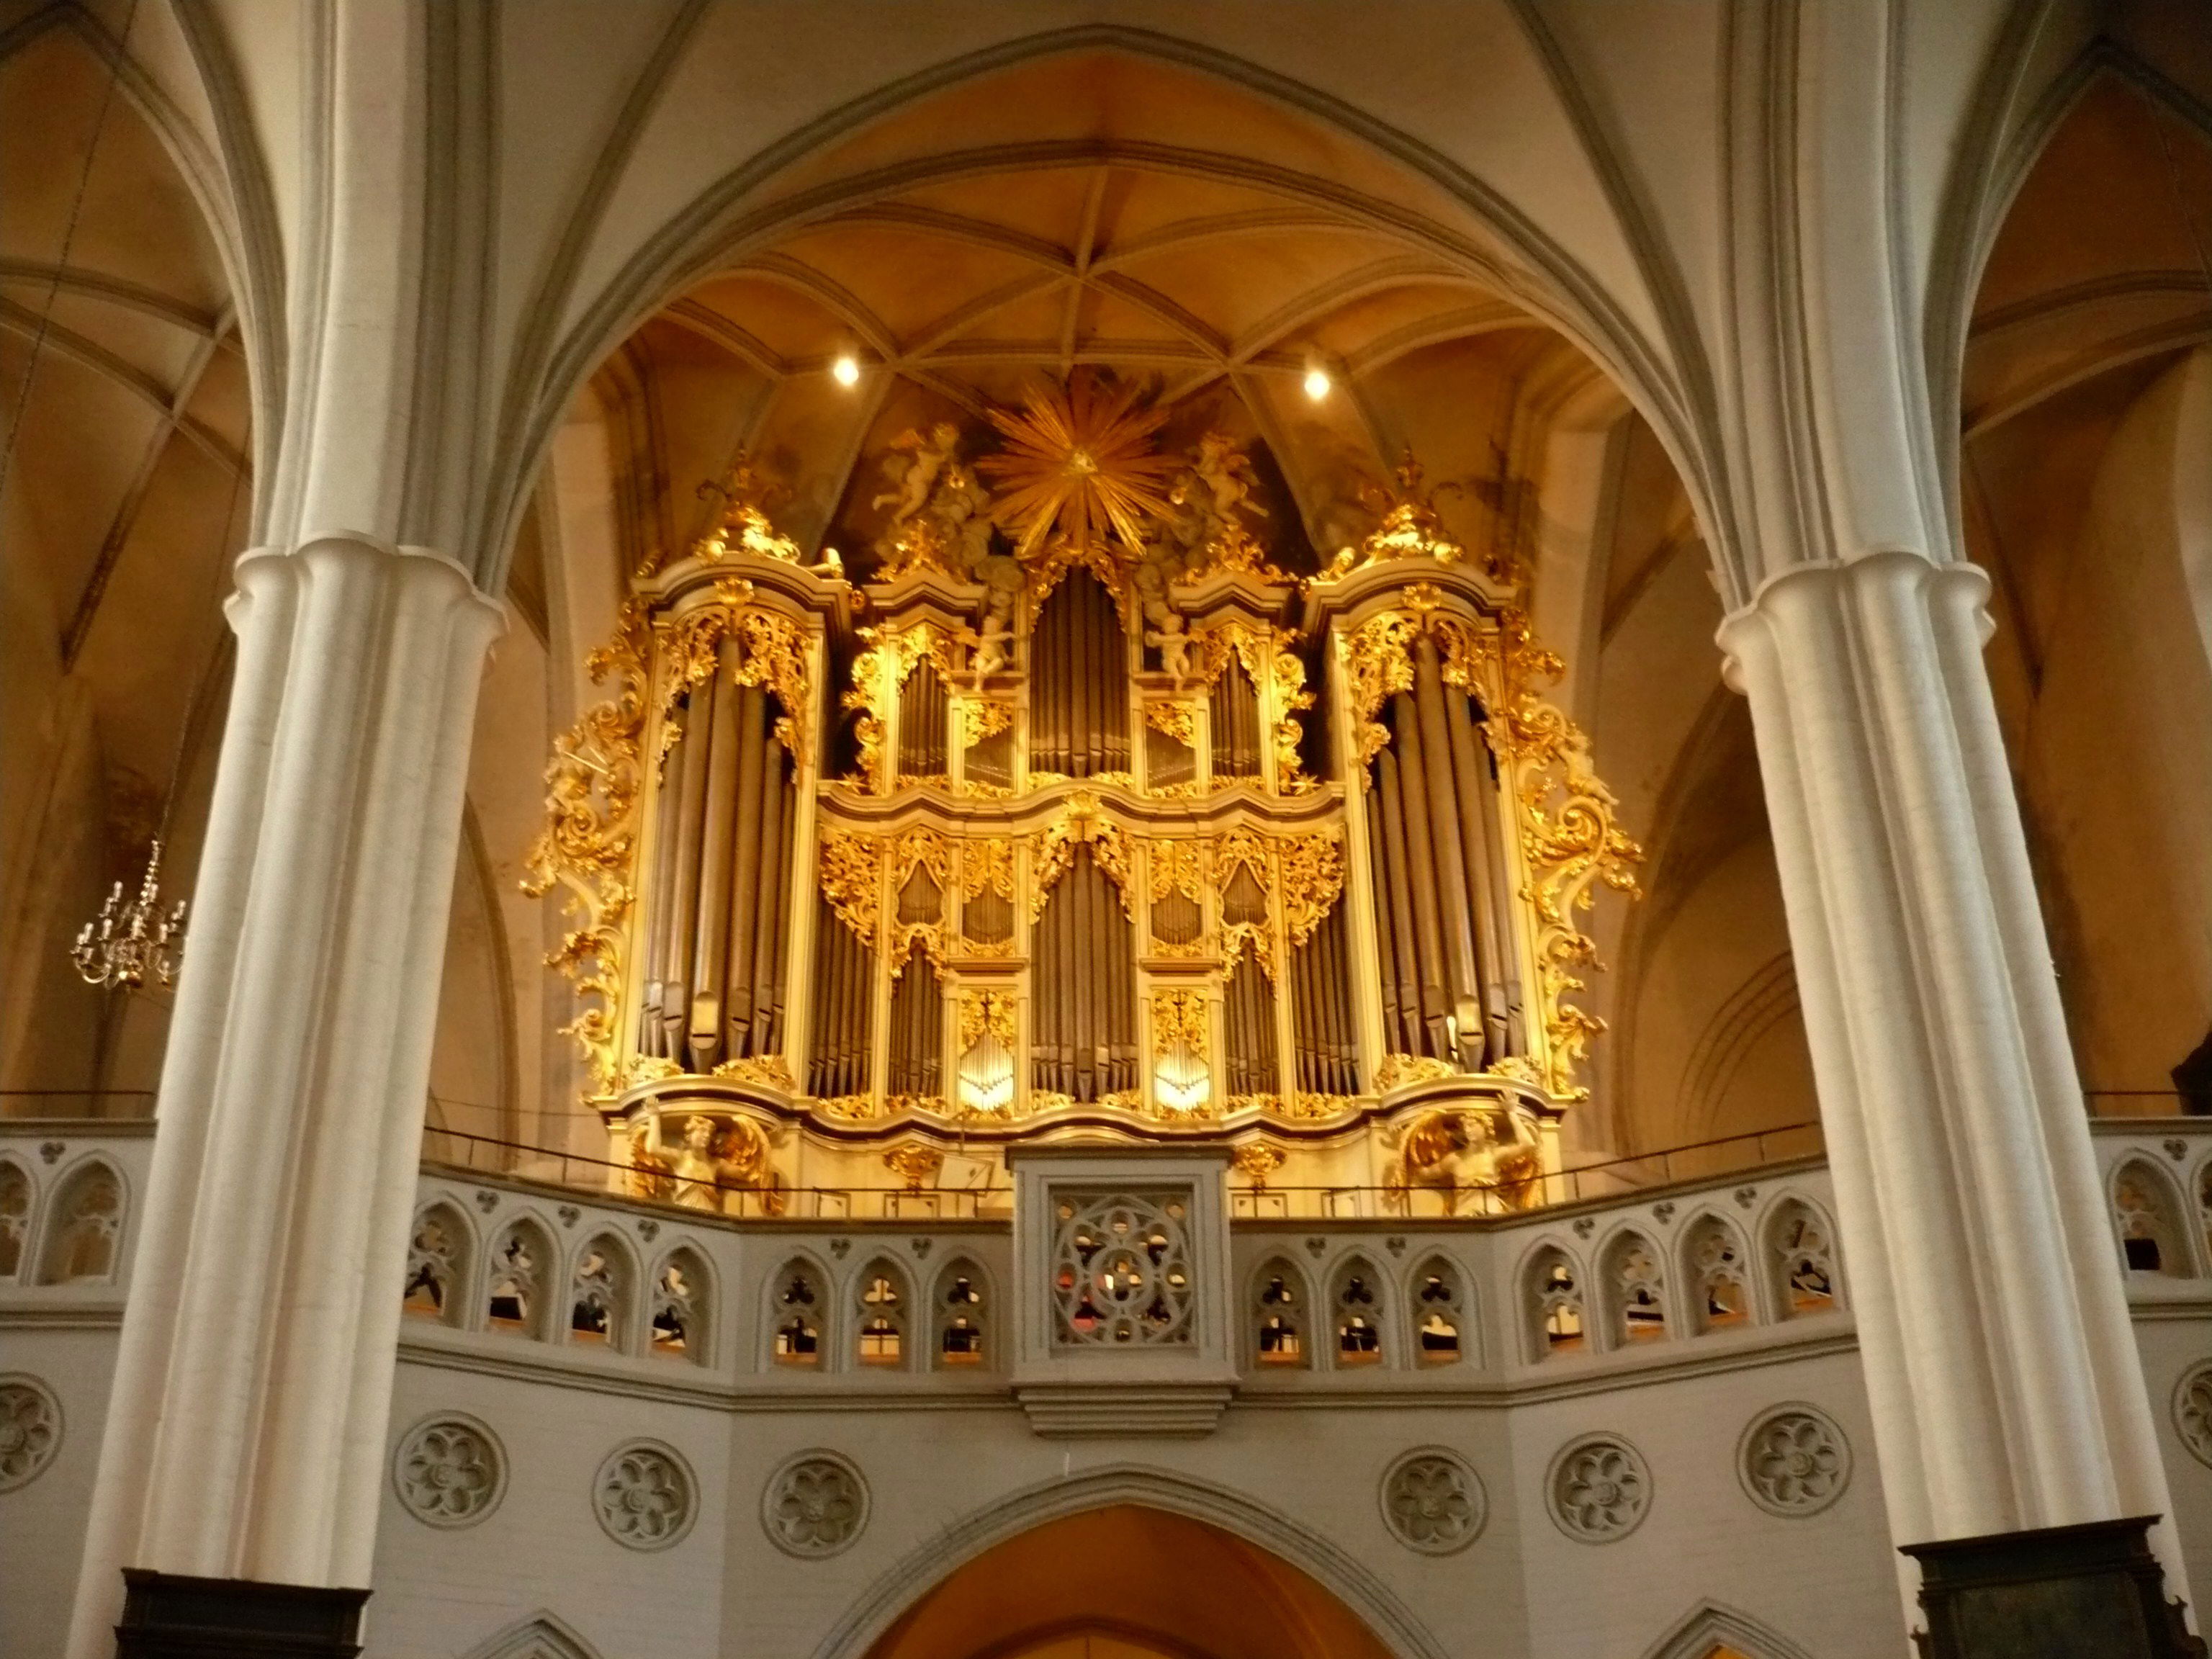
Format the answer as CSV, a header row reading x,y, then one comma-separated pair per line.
x,y
131,941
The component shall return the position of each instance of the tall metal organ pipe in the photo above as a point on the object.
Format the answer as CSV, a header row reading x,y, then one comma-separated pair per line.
x,y
1078,702
681,849
1456,900
651,1038
715,937
1438,860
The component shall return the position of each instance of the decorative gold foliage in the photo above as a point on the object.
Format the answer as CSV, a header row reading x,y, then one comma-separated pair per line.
x,y
1052,851
767,1070
1178,1020
1378,664
1178,865
1255,1160
1312,880
1175,718
921,849
882,667
743,523
852,880
589,843
771,655
1274,668
1571,838
978,718
915,1161
987,865
1398,1070
987,1012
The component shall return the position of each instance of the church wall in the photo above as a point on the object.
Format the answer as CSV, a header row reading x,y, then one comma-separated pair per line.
x,y
2114,765
1300,1454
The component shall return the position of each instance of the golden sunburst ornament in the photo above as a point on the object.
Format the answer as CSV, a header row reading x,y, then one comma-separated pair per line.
x,y
1079,458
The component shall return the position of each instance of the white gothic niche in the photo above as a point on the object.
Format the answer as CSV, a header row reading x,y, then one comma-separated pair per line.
x,y
1122,1308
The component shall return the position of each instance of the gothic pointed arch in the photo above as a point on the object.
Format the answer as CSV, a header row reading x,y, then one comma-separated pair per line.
x,y
1377,1612
1711,1629
543,1635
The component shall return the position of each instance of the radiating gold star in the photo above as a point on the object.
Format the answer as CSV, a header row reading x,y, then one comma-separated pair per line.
x,y
1079,458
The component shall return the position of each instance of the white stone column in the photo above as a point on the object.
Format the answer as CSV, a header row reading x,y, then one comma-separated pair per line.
x,y
2006,1387
247,1429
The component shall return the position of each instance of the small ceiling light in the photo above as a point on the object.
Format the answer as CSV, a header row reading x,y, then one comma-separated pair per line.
x,y
847,370
1318,383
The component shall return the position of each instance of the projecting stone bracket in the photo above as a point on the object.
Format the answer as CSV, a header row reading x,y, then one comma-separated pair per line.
x,y
1083,1411
1120,1289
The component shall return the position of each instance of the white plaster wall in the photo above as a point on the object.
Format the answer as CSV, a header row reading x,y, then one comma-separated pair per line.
x,y
42,1525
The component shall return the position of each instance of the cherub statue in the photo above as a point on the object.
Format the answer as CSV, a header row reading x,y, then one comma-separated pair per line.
x,y
1172,638
715,1155
912,465
1224,472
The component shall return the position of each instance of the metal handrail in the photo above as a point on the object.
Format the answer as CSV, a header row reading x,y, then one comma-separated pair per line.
x,y
1608,1178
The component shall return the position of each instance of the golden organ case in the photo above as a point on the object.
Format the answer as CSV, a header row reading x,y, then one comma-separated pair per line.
x,y
1079,816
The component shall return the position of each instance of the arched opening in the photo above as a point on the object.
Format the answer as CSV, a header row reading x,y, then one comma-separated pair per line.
x,y
1127,1581
126,491
2084,463
1252,281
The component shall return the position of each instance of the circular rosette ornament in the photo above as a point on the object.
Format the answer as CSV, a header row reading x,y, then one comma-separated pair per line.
x,y
814,1505
1432,1502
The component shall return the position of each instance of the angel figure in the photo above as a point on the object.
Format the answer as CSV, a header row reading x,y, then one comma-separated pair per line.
x,y
913,467
1172,638
1226,472
714,1155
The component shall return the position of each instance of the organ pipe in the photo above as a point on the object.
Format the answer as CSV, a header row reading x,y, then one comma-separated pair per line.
x,y
727,697
690,807
1456,909
1478,839
651,1036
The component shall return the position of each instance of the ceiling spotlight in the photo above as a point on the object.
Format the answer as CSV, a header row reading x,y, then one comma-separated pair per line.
x,y
847,370
1318,383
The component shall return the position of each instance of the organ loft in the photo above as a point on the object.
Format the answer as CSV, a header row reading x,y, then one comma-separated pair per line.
x,y
1082,797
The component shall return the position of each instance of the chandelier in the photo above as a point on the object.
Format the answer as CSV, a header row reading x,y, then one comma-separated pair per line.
x,y
129,942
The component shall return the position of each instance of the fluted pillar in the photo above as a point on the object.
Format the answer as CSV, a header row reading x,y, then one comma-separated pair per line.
x,y
2000,1364
245,1434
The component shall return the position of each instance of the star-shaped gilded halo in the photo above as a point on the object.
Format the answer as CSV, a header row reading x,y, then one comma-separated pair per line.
x,y
1079,458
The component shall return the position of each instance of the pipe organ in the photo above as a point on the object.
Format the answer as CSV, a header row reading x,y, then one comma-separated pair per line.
x,y
1079,815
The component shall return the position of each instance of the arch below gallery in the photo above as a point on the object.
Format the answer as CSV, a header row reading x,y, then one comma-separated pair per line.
x,y
1001,1582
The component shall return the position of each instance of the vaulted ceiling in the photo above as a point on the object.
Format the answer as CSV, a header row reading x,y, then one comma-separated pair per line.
x,y
1113,215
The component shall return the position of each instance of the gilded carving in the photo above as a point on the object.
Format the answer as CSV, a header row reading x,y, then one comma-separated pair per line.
x,y
986,865
1264,654
771,655
1453,1150
1312,881
1178,1021
589,844
742,523
882,667
1571,838
1052,851
1398,1070
986,1013
1174,718
915,1163
768,1071
852,872
1255,1160
1078,466
1378,664
978,718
